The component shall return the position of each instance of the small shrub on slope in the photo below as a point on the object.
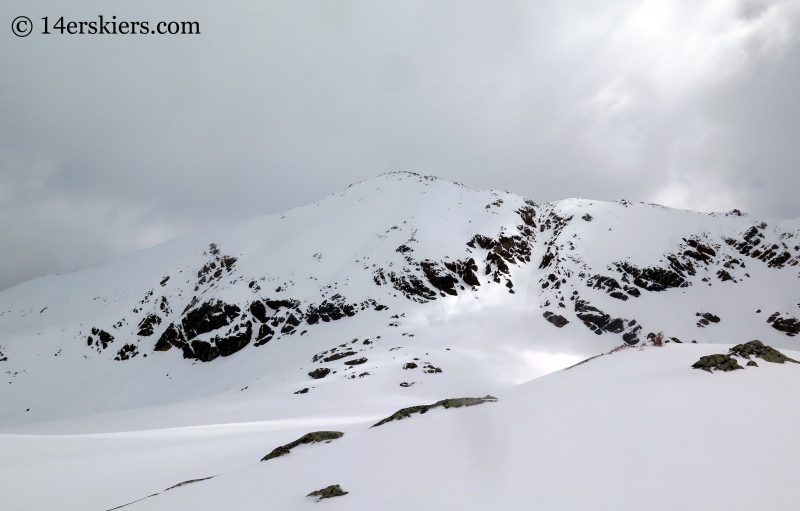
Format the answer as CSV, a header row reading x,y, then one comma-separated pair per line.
x,y
658,340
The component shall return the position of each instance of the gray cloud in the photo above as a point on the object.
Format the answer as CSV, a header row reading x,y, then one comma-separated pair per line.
x,y
110,144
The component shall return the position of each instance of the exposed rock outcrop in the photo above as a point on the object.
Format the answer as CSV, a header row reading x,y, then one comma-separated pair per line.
x,y
759,349
319,373
147,324
308,438
555,319
405,413
328,492
717,362
790,326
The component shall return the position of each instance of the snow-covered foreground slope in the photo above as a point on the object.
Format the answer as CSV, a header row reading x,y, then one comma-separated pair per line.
x,y
637,429
178,361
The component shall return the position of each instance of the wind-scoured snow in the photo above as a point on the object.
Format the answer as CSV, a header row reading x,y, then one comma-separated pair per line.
x,y
197,357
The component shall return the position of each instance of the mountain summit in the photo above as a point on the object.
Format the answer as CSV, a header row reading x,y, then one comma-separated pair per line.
x,y
401,279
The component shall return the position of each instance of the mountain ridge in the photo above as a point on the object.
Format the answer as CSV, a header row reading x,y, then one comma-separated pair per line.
x,y
395,260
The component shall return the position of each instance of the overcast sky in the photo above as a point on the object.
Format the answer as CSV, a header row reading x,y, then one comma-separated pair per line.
x,y
110,144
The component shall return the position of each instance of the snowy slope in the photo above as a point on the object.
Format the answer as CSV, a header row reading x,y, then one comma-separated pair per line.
x,y
638,429
634,430
174,362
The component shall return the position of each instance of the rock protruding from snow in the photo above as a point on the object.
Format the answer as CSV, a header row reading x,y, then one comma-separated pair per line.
x,y
308,438
754,348
328,492
758,349
717,362
405,413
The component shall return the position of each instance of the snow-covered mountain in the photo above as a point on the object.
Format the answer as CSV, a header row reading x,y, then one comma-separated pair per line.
x,y
402,290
